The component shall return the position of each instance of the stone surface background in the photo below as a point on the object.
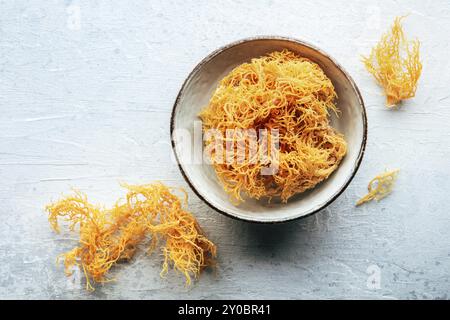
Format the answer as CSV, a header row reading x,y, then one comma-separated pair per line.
x,y
86,91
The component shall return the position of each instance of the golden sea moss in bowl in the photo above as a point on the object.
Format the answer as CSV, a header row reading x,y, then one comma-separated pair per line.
x,y
322,132
284,92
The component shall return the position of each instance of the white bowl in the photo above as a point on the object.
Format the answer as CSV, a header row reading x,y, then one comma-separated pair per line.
x,y
186,131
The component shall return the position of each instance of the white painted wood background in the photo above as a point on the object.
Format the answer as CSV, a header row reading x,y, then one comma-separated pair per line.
x,y
86,91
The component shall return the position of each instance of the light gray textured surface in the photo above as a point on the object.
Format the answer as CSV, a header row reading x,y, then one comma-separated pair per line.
x,y
86,90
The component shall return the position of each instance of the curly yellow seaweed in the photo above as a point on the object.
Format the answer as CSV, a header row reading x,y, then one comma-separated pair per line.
x,y
395,64
280,91
151,213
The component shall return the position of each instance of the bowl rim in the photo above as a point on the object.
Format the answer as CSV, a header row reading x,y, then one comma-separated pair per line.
x,y
211,56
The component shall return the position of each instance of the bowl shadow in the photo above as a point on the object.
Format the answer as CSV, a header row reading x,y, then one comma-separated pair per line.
x,y
293,241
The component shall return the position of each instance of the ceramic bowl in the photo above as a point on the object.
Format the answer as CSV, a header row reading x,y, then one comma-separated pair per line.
x,y
187,138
